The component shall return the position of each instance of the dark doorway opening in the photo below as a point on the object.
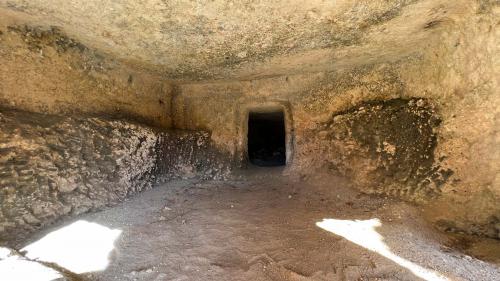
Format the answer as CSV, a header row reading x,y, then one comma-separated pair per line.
x,y
266,138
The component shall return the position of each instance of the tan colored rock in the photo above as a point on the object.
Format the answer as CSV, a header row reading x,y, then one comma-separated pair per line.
x,y
399,96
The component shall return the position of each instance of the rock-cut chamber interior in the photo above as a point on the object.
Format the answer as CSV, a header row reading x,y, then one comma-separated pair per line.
x,y
249,140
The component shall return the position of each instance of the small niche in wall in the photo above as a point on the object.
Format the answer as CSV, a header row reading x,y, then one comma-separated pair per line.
x,y
267,138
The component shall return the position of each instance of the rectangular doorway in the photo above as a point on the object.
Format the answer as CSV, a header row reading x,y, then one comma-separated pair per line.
x,y
266,138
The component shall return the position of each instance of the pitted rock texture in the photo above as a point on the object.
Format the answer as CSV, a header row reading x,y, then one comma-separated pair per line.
x,y
458,74
199,65
386,147
52,166
189,154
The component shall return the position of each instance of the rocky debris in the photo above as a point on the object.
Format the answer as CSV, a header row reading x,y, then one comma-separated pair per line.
x,y
51,166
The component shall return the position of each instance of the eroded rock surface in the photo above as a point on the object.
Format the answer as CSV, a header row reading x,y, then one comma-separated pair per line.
x,y
45,70
53,166
399,96
386,147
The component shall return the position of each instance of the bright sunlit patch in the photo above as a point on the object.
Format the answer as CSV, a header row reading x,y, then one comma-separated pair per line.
x,y
79,247
16,268
363,233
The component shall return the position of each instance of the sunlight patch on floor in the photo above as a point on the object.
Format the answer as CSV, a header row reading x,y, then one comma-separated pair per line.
x,y
363,233
79,247
16,268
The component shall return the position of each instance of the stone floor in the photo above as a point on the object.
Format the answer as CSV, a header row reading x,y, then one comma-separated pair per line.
x,y
258,227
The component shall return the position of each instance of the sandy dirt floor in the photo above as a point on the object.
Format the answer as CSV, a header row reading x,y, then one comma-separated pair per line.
x,y
259,227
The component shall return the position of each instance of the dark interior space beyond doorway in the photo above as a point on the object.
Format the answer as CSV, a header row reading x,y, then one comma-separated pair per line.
x,y
266,138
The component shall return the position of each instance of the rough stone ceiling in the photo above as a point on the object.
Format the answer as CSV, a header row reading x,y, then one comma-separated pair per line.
x,y
219,39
